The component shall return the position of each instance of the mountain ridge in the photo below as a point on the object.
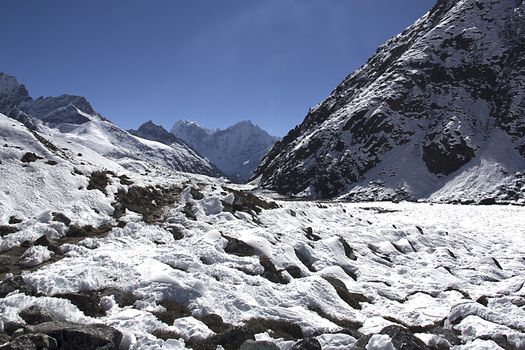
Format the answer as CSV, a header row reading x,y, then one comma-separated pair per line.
x,y
72,117
439,91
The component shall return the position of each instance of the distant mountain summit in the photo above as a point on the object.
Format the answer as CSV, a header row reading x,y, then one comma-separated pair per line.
x,y
154,132
236,151
74,119
437,113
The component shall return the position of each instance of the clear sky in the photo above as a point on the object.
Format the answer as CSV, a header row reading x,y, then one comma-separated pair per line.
x,y
214,62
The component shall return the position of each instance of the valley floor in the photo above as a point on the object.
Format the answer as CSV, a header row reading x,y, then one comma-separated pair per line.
x,y
454,275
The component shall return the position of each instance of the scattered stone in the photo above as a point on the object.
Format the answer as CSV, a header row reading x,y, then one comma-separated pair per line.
x,y
305,260
61,218
258,345
270,272
176,232
11,327
188,211
35,314
352,299
6,230
214,322
349,252
71,336
196,194
32,341
10,284
98,181
487,201
30,157
307,344
247,202
125,180
309,233
13,220
238,247
294,271
497,263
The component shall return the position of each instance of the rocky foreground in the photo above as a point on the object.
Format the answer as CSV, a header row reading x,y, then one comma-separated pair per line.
x,y
102,258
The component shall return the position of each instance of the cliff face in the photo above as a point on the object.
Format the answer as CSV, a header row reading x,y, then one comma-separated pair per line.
x,y
444,95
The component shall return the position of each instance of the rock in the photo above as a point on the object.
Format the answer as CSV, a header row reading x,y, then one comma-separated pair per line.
x,y
176,232
5,230
35,314
11,327
61,218
294,271
13,283
307,344
13,220
352,299
258,345
98,181
71,336
401,337
32,341
238,247
349,252
309,233
487,201
30,157
270,272
4,338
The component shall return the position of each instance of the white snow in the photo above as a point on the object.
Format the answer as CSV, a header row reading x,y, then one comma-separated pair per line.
x,y
380,342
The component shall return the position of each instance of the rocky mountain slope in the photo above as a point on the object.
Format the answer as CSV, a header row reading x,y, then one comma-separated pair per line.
x,y
94,254
437,113
236,151
72,119
154,132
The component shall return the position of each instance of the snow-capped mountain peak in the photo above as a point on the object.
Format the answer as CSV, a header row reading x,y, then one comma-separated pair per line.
x,y
236,150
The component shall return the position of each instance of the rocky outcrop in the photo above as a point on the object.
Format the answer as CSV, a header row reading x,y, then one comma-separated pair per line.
x,y
441,99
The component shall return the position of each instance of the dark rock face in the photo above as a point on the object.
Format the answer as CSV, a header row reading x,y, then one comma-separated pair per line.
x,y
153,132
70,336
30,157
430,100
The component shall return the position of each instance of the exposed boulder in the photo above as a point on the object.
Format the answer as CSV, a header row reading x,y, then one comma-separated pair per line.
x,y
71,336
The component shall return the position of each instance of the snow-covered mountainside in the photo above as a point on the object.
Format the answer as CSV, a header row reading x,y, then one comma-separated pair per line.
x,y
94,256
437,113
236,151
71,119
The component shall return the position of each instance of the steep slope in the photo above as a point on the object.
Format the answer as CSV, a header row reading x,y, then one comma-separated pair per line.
x,y
72,119
236,151
438,112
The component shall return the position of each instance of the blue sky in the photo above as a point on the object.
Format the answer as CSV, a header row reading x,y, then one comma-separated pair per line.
x,y
214,62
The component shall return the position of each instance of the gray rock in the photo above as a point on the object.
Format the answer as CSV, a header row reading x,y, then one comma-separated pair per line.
x,y
71,336
35,314
258,345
